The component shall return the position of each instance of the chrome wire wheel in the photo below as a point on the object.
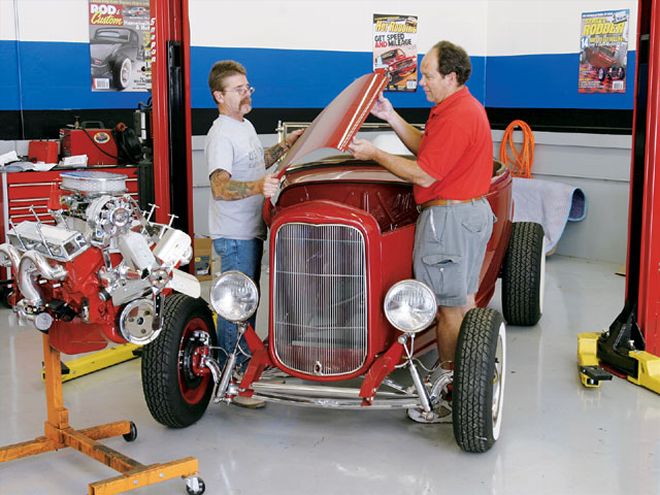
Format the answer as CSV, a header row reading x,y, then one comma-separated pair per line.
x,y
123,73
499,377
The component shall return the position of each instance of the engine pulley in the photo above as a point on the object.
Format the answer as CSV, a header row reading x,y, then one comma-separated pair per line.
x,y
136,322
109,216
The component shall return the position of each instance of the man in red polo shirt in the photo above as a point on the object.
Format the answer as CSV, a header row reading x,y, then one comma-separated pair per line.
x,y
451,176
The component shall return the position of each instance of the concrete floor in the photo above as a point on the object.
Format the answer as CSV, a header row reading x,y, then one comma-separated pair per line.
x,y
557,437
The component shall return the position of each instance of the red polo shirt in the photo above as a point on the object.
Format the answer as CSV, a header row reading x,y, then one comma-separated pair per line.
x,y
456,149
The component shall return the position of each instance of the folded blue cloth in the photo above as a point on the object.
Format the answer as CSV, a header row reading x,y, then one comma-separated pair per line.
x,y
549,203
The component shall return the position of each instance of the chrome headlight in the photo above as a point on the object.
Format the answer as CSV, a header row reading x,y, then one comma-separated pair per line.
x,y
234,296
410,306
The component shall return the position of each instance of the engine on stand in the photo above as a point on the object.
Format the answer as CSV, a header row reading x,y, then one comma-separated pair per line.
x,y
100,273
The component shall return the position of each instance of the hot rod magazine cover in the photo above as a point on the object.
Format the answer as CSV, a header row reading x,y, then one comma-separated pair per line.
x,y
603,51
395,49
119,45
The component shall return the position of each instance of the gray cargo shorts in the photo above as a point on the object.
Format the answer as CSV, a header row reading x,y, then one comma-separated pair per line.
x,y
450,245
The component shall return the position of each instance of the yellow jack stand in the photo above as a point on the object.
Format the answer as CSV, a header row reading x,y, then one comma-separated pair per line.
x,y
96,361
58,434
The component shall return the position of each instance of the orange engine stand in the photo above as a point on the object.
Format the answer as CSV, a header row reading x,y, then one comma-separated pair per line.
x,y
58,434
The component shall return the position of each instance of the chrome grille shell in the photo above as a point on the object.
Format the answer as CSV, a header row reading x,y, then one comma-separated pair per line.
x,y
319,297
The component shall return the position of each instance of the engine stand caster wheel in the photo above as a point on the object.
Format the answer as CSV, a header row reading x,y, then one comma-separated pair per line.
x,y
131,435
195,485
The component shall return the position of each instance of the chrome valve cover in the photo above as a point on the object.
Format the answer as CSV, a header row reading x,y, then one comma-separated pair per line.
x,y
54,242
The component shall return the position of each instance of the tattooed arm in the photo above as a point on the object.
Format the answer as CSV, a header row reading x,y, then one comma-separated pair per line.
x,y
222,187
274,153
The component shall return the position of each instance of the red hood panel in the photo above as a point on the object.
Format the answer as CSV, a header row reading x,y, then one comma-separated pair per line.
x,y
339,122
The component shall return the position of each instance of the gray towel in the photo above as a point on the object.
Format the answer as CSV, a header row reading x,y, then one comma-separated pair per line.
x,y
549,203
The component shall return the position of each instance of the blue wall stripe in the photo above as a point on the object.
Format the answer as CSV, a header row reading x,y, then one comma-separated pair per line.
x,y
548,81
301,78
9,97
56,76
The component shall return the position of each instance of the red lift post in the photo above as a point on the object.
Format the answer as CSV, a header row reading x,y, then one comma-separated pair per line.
x,y
171,117
631,346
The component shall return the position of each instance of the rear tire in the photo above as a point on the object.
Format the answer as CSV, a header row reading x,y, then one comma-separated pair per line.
x,y
523,275
175,394
122,74
479,375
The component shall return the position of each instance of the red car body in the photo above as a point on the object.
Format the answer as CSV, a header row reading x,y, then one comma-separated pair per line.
x,y
340,245
600,56
365,197
398,63
604,60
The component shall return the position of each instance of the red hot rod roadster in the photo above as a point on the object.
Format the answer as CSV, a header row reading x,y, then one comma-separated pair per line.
x,y
398,63
343,307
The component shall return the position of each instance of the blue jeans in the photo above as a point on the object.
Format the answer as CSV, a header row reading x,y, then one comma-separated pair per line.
x,y
245,257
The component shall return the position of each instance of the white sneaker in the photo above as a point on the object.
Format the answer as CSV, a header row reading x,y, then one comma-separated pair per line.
x,y
442,414
248,402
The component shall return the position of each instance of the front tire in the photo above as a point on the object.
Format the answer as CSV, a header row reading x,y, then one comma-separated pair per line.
x,y
479,375
523,275
177,390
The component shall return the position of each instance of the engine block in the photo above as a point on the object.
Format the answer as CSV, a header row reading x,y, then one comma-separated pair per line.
x,y
100,273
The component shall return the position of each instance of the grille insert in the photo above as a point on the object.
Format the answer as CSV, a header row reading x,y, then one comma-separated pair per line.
x,y
320,298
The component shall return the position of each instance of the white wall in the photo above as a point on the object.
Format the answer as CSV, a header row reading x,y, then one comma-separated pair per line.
x,y
342,25
483,27
45,20
7,24
523,27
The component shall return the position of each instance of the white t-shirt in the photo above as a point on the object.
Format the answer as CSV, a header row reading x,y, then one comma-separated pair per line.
x,y
235,147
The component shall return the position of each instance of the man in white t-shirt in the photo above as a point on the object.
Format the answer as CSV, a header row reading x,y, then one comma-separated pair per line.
x,y
237,166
